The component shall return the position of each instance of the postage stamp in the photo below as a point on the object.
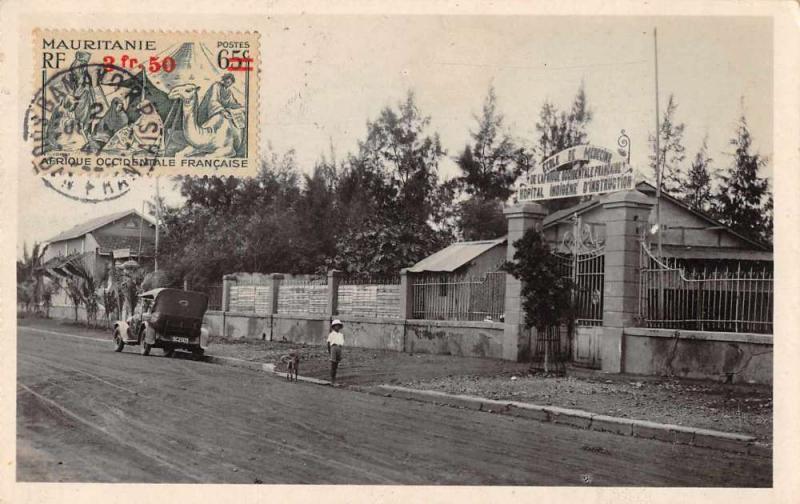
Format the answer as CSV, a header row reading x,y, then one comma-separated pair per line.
x,y
131,103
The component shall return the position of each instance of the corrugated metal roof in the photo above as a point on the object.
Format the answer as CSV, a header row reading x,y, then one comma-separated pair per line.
x,y
91,225
456,255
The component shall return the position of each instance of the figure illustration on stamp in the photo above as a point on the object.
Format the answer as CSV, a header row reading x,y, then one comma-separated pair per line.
x,y
214,127
166,122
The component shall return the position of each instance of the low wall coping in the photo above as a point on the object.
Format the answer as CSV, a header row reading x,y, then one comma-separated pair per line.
x,y
245,314
648,332
499,326
370,320
322,317
220,313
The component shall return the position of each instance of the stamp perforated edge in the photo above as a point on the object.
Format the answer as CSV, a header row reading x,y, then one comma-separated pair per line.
x,y
255,159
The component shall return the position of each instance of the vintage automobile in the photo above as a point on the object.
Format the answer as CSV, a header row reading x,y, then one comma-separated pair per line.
x,y
169,319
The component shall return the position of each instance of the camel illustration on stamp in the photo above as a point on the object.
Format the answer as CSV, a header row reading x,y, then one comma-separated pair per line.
x,y
219,135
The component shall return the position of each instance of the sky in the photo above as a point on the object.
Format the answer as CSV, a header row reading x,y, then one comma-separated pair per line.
x,y
323,77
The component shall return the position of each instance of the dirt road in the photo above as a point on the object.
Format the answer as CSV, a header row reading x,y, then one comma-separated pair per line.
x,y
85,413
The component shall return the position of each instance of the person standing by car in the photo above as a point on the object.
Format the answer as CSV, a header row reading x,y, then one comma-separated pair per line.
x,y
335,344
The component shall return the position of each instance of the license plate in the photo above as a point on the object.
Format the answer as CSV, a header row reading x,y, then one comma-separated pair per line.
x,y
180,340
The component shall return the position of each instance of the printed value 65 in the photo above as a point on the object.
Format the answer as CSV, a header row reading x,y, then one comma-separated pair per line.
x,y
234,59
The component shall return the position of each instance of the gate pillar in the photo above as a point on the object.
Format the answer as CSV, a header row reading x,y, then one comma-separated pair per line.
x,y
626,215
521,217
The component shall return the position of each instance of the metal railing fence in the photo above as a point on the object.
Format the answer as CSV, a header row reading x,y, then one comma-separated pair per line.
x,y
704,299
454,297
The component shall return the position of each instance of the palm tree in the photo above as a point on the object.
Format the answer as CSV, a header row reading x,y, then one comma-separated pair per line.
x,y
30,275
82,288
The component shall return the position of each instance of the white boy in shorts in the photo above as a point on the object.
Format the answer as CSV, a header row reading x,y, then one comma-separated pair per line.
x,y
335,344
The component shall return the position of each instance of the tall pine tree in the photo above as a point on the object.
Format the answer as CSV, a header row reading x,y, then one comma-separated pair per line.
x,y
671,153
489,167
697,190
559,130
743,200
405,225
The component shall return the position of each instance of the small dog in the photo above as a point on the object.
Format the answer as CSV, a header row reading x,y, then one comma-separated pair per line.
x,y
292,361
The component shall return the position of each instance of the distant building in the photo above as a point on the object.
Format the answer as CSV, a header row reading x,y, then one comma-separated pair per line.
x,y
458,281
689,235
99,243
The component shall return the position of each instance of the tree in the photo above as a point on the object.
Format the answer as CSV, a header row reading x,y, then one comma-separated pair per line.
x,y
398,146
110,304
30,274
490,165
481,219
558,130
83,289
697,190
399,160
49,290
74,291
743,200
546,293
24,296
671,152
126,283
232,224
318,216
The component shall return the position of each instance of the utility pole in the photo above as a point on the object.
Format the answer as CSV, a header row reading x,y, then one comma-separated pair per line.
x,y
141,227
658,180
658,150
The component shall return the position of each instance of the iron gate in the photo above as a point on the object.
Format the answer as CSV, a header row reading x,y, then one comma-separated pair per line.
x,y
582,258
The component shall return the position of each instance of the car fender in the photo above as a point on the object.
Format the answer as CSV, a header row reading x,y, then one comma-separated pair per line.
x,y
203,337
124,330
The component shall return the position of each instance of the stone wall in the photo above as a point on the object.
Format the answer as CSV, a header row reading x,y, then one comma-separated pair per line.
x,y
468,339
727,357
234,326
465,339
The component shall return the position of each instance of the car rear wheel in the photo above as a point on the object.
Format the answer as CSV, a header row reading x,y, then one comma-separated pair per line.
x,y
198,351
169,352
118,343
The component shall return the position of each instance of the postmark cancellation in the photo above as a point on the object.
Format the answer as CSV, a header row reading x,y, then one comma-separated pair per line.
x,y
116,103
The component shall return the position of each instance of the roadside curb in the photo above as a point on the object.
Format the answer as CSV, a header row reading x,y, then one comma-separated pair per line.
x,y
670,433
